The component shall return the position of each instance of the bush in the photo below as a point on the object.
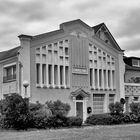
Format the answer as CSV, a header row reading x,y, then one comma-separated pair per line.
x,y
99,119
126,117
56,121
74,121
116,108
117,119
40,114
134,118
15,112
135,108
58,108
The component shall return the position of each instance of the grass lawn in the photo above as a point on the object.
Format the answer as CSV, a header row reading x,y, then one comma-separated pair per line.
x,y
118,132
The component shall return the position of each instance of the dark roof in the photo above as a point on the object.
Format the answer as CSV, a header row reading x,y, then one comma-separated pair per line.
x,y
97,27
132,57
10,53
128,67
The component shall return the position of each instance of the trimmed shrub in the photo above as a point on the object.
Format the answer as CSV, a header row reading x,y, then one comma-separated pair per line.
x,y
134,118
116,108
56,121
135,108
117,119
58,108
99,119
74,121
127,118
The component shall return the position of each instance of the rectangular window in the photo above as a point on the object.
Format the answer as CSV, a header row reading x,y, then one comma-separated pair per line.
x,y
61,75
135,98
91,77
100,78
67,75
105,85
9,73
44,73
66,51
50,56
113,79
50,74
96,78
98,103
55,74
135,62
38,73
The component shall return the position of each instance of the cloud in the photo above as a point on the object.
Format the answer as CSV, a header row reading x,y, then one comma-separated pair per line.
x,y
27,11
129,26
38,16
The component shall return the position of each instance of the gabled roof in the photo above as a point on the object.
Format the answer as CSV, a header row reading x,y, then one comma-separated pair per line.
x,y
10,53
80,92
99,26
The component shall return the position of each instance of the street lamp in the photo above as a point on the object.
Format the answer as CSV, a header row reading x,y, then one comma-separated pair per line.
x,y
25,84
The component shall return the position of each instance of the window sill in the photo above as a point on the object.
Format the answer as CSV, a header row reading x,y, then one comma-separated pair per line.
x,y
8,81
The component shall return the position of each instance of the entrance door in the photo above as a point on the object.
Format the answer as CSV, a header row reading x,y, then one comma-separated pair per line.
x,y
79,109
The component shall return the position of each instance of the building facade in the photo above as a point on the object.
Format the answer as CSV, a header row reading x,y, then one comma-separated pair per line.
x,y
77,64
132,80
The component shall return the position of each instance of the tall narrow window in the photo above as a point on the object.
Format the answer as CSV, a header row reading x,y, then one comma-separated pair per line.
x,y
96,78
55,74
91,77
100,78
37,73
105,85
113,79
61,75
50,73
67,75
44,73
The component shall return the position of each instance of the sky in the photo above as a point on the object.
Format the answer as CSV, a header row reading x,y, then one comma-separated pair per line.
x,y
32,17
